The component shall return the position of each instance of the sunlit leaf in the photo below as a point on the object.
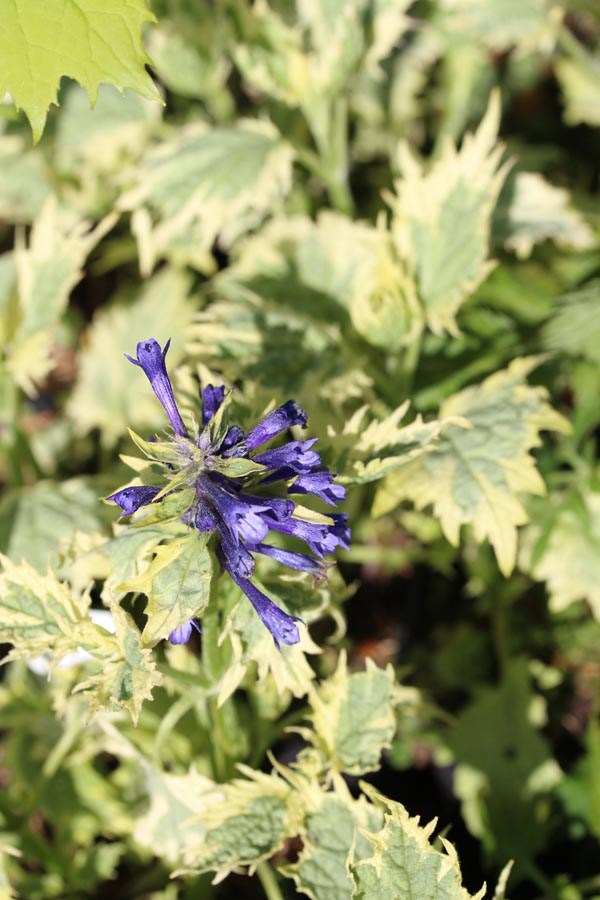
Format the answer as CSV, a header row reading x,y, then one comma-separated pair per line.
x,y
403,862
207,183
579,77
353,717
177,584
442,216
89,42
532,210
477,475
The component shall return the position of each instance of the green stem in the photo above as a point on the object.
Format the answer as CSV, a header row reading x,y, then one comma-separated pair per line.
x,y
268,879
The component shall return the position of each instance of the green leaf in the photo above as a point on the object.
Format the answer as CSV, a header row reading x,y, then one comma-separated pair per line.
x,y
126,673
369,453
561,546
39,613
168,826
579,77
110,393
245,821
333,826
580,789
47,269
204,184
88,42
353,717
531,210
476,475
502,24
24,182
494,735
34,520
441,218
403,862
574,328
177,584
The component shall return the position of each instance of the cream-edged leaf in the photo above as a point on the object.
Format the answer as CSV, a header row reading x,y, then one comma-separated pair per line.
x,y
531,210
353,718
207,183
334,825
478,475
403,863
244,822
442,216
167,827
88,41
527,25
561,546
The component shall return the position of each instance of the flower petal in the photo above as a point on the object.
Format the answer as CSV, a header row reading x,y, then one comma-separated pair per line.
x,y
132,498
151,359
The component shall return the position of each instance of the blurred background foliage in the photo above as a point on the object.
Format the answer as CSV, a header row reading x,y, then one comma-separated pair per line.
x,y
357,204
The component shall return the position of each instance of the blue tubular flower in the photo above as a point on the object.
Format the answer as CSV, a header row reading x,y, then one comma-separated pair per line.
x,y
182,634
131,498
151,359
232,500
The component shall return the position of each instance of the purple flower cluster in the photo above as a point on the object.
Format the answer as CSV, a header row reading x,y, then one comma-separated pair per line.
x,y
242,521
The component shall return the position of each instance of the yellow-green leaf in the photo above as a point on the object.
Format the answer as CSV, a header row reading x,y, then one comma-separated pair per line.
x,y
88,41
477,475
177,584
403,862
441,218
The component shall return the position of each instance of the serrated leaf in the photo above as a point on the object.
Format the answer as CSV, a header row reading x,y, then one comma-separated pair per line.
x,y
177,584
207,183
531,210
34,520
353,717
477,475
442,217
47,269
245,821
39,613
370,453
403,862
126,673
87,41
167,828
110,393
561,546
333,826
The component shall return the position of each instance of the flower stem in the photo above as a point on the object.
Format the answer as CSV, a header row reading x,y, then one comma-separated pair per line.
x,y
269,882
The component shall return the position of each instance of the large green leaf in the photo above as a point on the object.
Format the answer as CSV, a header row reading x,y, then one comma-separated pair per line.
x,y
561,546
206,183
495,737
502,24
442,217
333,828
353,716
403,862
89,41
579,77
531,210
476,475
245,821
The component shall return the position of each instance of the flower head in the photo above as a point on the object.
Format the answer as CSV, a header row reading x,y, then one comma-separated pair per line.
x,y
233,474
